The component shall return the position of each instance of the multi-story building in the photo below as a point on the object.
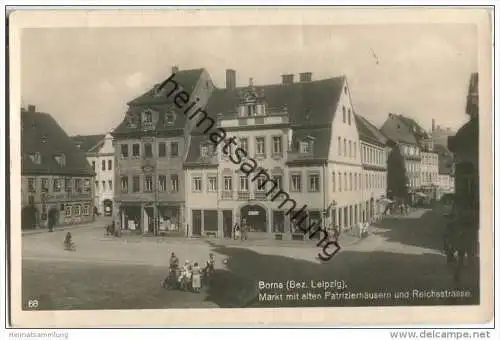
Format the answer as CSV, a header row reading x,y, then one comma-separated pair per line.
x,y
465,147
440,134
302,135
400,130
56,186
100,153
446,181
150,147
374,153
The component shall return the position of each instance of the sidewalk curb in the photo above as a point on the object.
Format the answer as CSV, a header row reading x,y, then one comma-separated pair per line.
x,y
46,230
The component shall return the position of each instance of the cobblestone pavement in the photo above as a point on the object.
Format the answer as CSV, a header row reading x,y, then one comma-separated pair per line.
x,y
401,254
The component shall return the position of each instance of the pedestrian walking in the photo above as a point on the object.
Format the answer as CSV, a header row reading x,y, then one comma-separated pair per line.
x,y
237,231
196,278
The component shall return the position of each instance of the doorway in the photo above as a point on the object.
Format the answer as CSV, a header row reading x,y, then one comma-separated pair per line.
x,y
108,207
196,214
255,217
227,220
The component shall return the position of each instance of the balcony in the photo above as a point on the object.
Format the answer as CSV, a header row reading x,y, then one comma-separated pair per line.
x,y
273,118
148,164
243,195
227,195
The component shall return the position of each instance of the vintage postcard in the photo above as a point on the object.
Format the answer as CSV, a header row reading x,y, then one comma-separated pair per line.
x,y
251,166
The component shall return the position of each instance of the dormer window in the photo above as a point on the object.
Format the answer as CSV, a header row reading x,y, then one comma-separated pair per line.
x,y
147,117
169,118
204,150
306,145
60,159
36,157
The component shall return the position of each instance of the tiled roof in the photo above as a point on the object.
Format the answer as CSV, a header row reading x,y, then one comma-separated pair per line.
x,y
307,103
187,79
193,156
87,143
400,129
369,132
42,134
310,107
321,147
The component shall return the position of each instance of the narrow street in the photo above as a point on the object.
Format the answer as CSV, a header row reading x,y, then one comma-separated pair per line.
x,y
402,254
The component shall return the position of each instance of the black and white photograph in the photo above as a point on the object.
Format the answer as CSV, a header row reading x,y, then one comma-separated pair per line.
x,y
171,165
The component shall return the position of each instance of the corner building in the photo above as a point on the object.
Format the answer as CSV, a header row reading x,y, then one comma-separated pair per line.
x,y
150,148
301,134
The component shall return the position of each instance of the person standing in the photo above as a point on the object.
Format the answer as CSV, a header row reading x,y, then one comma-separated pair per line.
x,y
237,231
196,278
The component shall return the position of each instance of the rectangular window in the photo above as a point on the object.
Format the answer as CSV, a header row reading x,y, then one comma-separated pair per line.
x,y
136,184
174,149
93,165
67,211
204,151
340,182
110,184
279,181
346,187
314,183
103,185
123,183
228,183
162,183
260,146
334,180
148,150
78,185
162,150
339,145
67,184
45,185
110,164
277,145
86,210
136,150
31,184
345,148
148,183
174,183
197,184
57,185
350,149
296,183
355,150
77,210
350,182
103,165
243,144
212,183
124,150
305,147
243,183
261,184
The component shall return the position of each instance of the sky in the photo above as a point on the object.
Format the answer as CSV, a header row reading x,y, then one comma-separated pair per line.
x,y
84,77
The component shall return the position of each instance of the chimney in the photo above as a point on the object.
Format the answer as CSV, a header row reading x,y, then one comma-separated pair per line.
x,y
31,108
433,125
175,69
230,79
287,79
305,77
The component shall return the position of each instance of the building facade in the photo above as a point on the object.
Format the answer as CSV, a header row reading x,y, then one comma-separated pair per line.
x,y
100,154
300,139
374,153
465,147
56,184
400,130
446,182
150,147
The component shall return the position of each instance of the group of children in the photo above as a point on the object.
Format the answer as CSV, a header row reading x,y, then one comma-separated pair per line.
x,y
189,276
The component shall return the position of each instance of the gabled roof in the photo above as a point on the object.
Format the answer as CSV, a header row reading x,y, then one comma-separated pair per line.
x,y
402,129
369,132
42,134
187,79
87,143
306,103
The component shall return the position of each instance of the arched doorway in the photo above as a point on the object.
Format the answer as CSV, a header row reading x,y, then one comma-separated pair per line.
x,y
108,207
255,217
